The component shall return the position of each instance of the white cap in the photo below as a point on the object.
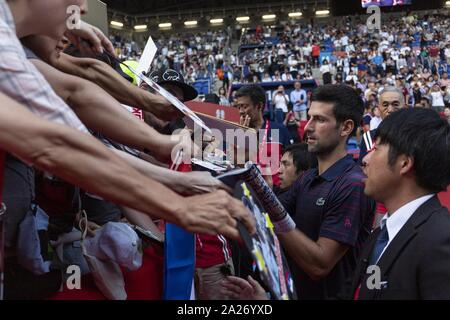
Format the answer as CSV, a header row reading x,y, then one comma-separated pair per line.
x,y
117,242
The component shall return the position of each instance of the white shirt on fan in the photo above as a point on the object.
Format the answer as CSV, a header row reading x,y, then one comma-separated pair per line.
x,y
280,102
375,122
438,99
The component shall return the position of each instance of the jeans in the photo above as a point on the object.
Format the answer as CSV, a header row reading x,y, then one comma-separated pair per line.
x,y
279,116
18,193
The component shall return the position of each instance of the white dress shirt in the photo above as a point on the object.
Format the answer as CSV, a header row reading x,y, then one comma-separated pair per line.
x,y
398,219
375,122
21,81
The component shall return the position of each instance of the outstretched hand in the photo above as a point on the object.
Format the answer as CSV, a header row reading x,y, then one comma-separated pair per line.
x,y
198,182
215,213
241,289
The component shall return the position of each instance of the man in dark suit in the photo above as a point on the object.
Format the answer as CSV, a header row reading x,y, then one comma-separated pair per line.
x,y
408,257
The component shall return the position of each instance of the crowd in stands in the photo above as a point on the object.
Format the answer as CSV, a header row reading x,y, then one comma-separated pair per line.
x,y
412,52
198,56
125,49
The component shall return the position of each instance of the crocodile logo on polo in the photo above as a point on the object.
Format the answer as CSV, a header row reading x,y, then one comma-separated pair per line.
x,y
320,202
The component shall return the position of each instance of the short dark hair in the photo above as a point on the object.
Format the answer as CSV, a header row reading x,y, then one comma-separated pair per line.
x,y
255,92
421,134
303,159
347,104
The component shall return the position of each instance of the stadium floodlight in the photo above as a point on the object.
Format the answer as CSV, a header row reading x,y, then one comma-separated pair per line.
x,y
242,19
216,21
165,25
117,24
140,27
269,16
190,23
322,12
295,14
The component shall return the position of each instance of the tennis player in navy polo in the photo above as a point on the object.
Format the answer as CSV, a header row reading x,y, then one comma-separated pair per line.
x,y
332,215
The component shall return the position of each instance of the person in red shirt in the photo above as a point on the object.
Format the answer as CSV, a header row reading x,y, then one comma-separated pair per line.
x,y
315,54
259,33
434,53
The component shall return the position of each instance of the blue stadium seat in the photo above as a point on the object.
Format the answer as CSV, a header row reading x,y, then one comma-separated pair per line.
x,y
198,86
272,40
202,86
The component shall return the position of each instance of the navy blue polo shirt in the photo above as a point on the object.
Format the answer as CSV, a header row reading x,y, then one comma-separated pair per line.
x,y
331,205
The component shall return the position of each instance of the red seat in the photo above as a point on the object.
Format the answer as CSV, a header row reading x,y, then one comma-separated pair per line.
x,y
445,198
